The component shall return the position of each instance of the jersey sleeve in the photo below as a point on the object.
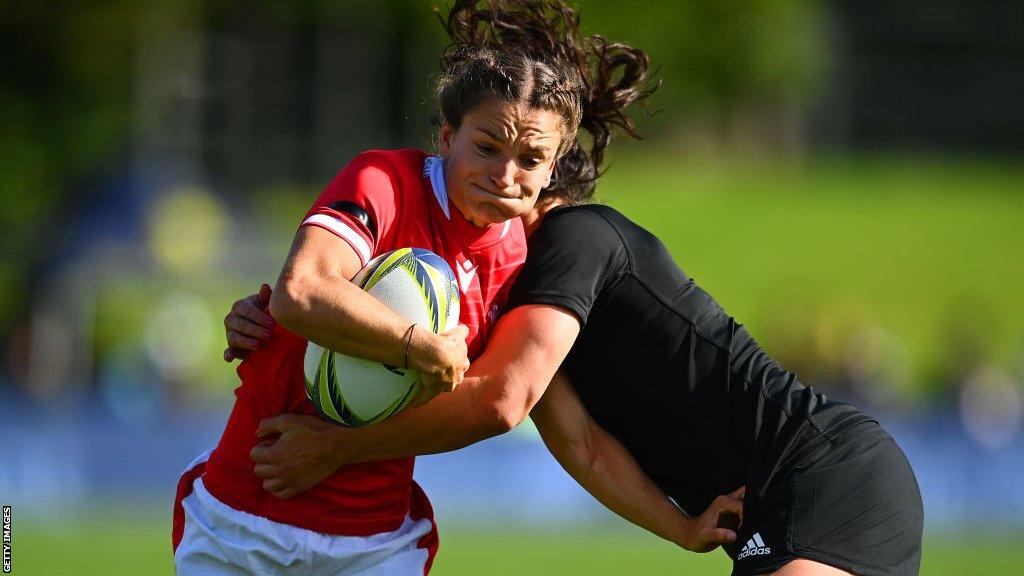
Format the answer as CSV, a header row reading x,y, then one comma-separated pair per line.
x,y
359,205
570,258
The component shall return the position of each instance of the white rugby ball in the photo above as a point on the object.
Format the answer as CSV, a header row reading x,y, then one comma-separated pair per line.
x,y
416,284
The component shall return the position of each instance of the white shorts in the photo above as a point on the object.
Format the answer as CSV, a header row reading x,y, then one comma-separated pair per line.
x,y
218,539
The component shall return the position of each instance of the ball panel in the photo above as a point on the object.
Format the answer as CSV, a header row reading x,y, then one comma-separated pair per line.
x,y
313,382
446,289
399,292
434,261
311,363
368,270
368,388
427,291
388,263
331,404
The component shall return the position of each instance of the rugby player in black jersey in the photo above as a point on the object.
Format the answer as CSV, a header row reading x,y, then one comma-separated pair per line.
x,y
659,403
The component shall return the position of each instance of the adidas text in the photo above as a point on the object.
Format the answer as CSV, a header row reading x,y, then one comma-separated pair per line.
x,y
754,547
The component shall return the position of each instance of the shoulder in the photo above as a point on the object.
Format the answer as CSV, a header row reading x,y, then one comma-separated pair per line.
x,y
578,238
405,162
589,217
380,176
587,227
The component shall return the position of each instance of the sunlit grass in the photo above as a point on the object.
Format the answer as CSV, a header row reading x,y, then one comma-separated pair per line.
x,y
130,545
926,250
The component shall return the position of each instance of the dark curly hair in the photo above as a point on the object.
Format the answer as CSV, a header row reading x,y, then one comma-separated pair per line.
x,y
532,52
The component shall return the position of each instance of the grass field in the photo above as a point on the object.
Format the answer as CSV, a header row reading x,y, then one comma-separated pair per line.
x,y
141,546
907,245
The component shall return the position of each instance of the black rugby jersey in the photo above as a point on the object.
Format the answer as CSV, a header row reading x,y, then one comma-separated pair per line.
x,y
664,369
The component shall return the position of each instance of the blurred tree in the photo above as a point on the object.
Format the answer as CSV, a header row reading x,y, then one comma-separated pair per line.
x,y
64,111
718,57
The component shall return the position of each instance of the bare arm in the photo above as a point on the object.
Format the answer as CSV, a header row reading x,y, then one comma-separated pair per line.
x,y
526,348
315,298
602,465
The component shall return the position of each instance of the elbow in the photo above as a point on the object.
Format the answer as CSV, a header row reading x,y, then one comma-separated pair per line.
x,y
503,415
508,418
576,452
581,453
288,301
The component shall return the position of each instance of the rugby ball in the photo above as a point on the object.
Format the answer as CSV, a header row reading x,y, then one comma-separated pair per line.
x,y
416,284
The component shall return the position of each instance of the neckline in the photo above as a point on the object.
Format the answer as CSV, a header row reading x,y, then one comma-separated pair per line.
x,y
474,237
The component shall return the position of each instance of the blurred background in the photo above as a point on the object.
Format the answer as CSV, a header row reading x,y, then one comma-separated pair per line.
x,y
844,176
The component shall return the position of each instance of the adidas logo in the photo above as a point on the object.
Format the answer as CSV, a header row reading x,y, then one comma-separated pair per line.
x,y
754,547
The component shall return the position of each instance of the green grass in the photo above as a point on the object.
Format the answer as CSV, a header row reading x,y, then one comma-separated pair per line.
x,y
128,545
925,250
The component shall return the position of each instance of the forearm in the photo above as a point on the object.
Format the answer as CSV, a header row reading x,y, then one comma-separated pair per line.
x,y
333,312
448,422
315,299
602,465
498,392
613,477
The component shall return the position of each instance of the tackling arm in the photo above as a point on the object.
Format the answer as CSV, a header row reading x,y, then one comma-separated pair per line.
x,y
601,464
502,385
526,348
606,469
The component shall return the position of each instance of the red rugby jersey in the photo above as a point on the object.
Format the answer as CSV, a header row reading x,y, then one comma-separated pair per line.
x,y
381,201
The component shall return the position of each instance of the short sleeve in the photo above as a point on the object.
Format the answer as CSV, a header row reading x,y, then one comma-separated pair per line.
x,y
359,205
570,258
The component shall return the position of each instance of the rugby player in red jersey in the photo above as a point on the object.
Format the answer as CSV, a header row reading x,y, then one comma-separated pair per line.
x,y
509,119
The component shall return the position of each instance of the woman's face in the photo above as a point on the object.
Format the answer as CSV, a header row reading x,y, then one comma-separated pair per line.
x,y
499,159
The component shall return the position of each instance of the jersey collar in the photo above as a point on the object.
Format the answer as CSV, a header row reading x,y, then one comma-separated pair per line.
x,y
433,169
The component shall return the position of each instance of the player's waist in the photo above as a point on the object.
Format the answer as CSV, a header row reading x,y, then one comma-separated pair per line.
x,y
356,500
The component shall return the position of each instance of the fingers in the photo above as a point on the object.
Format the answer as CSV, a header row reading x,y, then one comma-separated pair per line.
x,y
243,343
231,354
263,298
447,382
273,425
729,504
739,493
424,397
452,383
729,512
460,332
285,493
720,536
254,307
265,471
260,454
247,326
248,320
278,488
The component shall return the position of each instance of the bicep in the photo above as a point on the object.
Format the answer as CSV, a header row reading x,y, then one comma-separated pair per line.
x,y
318,252
525,349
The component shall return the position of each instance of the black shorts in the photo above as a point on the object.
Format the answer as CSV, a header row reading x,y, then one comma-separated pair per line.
x,y
856,507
